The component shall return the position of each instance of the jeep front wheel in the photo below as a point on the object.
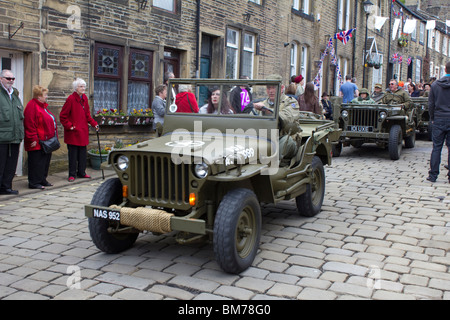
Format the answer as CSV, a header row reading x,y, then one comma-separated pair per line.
x,y
395,142
310,202
109,193
237,230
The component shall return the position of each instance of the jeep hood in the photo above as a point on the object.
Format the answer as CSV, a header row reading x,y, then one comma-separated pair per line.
x,y
212,148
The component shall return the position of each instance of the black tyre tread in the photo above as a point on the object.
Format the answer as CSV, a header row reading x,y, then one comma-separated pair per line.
x,y
225,225
109,192
395,137
305,206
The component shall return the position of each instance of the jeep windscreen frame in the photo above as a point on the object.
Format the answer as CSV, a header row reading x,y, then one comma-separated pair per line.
x,y
258,87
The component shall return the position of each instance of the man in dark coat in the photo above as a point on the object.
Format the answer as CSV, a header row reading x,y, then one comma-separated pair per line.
x,y
439,109
12,132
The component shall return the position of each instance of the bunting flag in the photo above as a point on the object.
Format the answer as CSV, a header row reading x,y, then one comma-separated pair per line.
x,y
396,58
344,36
409,60
329,49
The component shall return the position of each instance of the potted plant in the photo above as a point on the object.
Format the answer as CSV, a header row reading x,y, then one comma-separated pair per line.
x,y
140,117
97,156
110,117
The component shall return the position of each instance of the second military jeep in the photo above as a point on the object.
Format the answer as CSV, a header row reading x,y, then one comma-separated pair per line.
x,y
207,174
385,125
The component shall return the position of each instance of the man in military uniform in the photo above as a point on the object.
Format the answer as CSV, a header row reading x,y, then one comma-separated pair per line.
x,y
398,96
378,93
290,132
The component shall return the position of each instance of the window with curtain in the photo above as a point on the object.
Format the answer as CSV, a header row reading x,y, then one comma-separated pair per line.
x,y
302,6
248,55
437,41
304,61
139,80
240,57
422,33
232,53
418,70
168,5
294,59
108,69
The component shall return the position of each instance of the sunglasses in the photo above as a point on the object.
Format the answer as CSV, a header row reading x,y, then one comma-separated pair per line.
x,y
9,79
392,84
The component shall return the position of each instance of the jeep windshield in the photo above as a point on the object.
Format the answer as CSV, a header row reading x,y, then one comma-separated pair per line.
x,y
223,98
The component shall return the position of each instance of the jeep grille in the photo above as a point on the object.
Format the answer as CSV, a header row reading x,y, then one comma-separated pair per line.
x,y
156,179
363,117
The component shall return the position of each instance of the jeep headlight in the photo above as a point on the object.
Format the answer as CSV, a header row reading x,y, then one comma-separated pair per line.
x,y
383,115
123,162
344,114
201,170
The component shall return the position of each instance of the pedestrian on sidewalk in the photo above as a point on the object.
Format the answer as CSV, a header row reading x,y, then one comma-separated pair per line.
x,y
40,125
439,109
75,116
11,125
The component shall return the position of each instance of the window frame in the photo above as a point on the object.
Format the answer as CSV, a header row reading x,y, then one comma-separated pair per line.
x,y
147,80
100,76
240,49
422,33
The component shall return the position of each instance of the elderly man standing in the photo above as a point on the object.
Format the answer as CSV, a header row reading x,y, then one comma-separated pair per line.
x,y
11,124
439,109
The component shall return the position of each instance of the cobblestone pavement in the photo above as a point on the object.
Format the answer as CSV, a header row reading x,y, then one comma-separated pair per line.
x,y
383,233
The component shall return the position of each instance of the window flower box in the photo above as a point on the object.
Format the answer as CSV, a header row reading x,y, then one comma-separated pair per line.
x,y
141,117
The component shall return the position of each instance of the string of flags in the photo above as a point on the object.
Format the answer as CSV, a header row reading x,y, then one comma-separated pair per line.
x,y
343,36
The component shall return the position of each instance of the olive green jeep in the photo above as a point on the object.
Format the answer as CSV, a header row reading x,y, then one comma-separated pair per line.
x,y
385,125
422,119
207,174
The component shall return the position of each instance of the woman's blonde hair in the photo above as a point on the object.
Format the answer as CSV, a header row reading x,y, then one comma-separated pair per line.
x,y
38,91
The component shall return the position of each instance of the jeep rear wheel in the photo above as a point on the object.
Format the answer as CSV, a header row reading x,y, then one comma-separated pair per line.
x,y
109,192
237,230
395,142
310,202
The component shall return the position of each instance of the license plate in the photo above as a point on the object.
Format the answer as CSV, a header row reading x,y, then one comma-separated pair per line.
x,y
107,214
361,128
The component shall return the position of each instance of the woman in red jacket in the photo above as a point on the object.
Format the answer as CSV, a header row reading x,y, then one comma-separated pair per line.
x,y
39,124
75,117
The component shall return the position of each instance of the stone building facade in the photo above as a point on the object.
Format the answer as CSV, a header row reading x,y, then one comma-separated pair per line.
x,y
122,48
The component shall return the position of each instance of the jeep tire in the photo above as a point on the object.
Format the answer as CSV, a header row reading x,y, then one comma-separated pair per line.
x,y
109,192
310,202
395,142
237,230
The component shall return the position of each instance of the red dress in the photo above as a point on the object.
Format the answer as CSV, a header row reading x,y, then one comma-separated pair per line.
x,y
39,124
75,113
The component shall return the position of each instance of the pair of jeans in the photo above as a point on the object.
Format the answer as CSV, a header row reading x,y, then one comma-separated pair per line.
x,y
440,134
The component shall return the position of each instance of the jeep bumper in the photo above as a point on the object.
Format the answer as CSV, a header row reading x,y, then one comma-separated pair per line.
x,y
147,219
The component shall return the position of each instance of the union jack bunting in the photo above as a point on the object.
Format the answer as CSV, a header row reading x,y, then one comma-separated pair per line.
x,y
344,36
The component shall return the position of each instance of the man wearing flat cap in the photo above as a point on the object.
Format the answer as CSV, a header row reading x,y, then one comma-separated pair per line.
x,y
377,93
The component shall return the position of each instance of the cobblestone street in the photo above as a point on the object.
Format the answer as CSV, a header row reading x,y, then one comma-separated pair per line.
x,y
383,233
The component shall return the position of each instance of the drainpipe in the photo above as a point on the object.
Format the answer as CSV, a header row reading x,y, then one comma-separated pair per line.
x,y
197,47
388,73
354,40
